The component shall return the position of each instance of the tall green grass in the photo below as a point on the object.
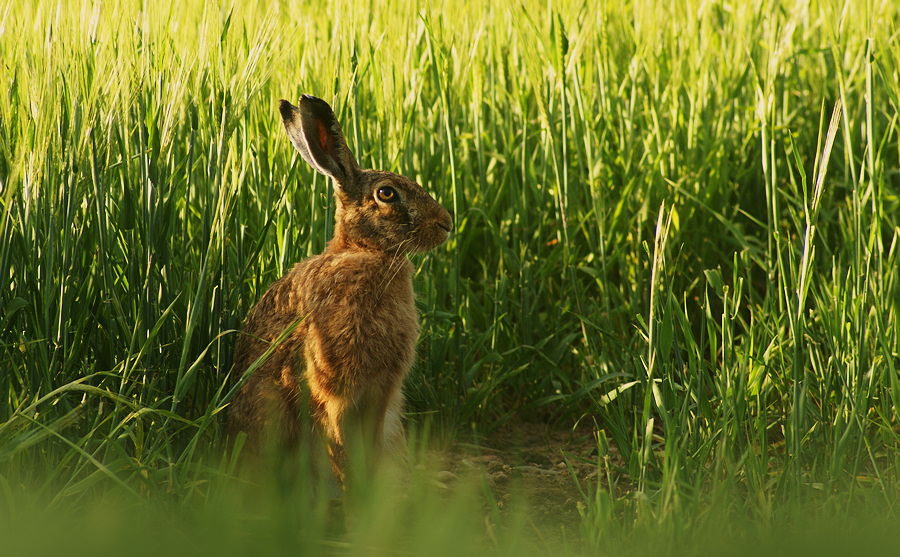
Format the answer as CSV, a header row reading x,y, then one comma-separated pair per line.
x,y
676,221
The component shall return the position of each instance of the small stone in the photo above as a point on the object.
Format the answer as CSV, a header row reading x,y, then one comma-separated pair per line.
x,y
445,476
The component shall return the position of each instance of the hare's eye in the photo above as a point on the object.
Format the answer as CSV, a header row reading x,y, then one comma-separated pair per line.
x,y
387,194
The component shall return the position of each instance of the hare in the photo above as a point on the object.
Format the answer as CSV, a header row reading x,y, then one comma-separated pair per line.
x,y
338,374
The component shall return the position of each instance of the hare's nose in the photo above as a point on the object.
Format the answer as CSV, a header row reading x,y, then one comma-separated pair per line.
x,y
446,222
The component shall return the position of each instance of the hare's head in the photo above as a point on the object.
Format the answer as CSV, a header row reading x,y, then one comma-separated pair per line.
x,y
376,210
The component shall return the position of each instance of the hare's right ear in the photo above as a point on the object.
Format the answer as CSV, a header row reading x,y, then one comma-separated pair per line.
x,y
314,130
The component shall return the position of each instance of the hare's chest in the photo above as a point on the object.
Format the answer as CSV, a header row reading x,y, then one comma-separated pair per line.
x,y
361,318
390,335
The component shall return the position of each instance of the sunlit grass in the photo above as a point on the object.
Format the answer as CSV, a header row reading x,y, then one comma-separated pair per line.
x,y
676,221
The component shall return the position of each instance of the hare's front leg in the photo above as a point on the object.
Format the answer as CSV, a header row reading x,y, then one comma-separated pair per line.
x,y
393,432
362,430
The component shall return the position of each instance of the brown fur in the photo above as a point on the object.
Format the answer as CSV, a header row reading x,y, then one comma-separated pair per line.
x,y
343,366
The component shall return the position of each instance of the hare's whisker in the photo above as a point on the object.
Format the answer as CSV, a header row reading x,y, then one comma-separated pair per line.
x,y
396,263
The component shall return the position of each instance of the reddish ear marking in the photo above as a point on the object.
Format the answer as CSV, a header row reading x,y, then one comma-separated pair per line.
x,y
323,137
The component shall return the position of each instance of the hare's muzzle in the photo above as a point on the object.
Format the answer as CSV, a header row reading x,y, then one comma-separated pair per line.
x,y
446,222
436,229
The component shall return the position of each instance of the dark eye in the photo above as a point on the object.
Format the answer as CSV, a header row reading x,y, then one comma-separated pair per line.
x,y
387,194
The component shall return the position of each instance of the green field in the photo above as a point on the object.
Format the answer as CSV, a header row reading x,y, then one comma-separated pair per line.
x,y
676,233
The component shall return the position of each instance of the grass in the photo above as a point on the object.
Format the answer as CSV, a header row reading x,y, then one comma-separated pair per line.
x,y
676,222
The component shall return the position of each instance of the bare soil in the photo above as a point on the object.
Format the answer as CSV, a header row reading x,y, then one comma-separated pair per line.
x,y
540,470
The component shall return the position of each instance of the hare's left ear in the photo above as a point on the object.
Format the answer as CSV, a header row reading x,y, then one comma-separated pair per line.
x,y
315,132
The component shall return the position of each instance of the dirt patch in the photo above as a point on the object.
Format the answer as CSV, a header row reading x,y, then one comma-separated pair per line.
x,y
542,471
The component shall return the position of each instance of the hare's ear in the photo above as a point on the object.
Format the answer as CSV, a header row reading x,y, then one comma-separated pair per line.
x,y
316,133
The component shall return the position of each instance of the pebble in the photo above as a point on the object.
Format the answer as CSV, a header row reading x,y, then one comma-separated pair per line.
x,y
445,476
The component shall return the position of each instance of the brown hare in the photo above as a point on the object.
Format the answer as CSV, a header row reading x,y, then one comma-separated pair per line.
x,y
337,376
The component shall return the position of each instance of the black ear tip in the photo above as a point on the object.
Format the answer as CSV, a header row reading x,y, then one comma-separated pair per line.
x,y
286,109
316,106
309,104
